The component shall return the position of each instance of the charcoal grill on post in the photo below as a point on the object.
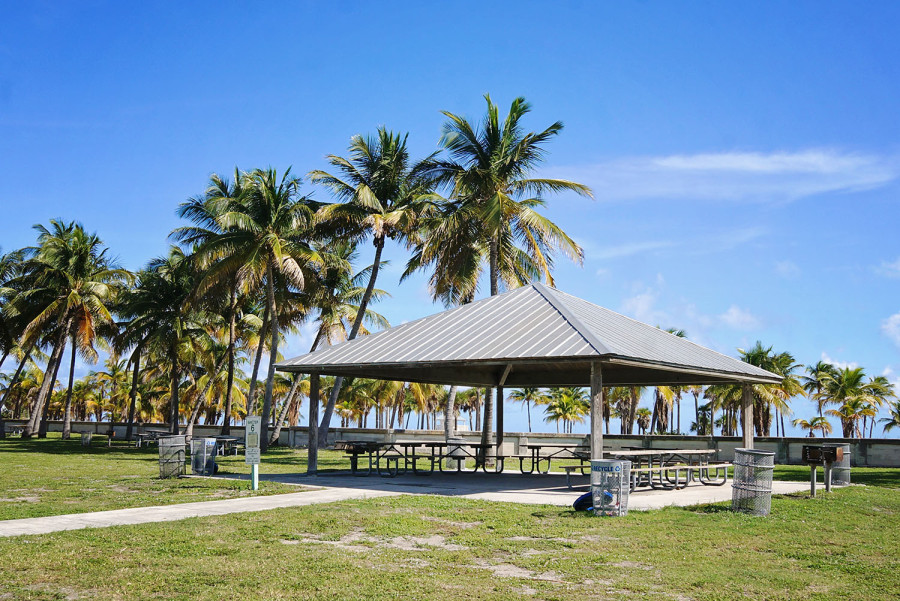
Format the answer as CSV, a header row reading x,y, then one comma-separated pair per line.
x,y
827,456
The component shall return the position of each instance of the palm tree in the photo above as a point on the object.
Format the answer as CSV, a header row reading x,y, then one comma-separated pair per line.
x,y
71,281
263,232
881,391
848,389
529,396
567,405
156,316
813,382
816,423
643,416
382,195
894,420
488,171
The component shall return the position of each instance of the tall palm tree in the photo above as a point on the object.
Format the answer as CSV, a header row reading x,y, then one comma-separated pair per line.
x,y
848,389
567,405
643,416
488,171
529,396
813,382
893,420
265,231
71,280
382,195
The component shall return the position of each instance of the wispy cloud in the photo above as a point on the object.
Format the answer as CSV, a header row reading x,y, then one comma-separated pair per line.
x,y
839,364
889,269
890,327
736,176
739,319
787,269
630,249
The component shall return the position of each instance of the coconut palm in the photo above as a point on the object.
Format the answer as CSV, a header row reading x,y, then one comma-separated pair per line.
x,y
817,423
382,195
264,231
893,420
568,405
813,382
848,389
488,171
70,279
643,416
529,396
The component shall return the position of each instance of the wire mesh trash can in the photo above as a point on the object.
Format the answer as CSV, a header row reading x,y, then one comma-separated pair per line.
x,y
203,456
456,453
610,485
840,470
86,439
752,486
171,456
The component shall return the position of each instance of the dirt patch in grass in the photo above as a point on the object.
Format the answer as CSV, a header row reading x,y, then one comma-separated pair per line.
x,y
27,499
508,570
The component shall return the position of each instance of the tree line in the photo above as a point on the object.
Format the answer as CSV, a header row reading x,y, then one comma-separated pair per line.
x,y
257,258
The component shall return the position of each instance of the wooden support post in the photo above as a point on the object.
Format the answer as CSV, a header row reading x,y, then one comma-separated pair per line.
x,y
499,418
596,411
747,414
312,457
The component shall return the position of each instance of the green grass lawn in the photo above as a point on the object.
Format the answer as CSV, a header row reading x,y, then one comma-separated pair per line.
x,y
54,477
838,546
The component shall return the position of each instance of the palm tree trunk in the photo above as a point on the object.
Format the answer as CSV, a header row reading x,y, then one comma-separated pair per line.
x,y
263,330
9,388
450,414
488,425
189,431
34,419
273,357
226,422
173,393
3,358
528,408
67,419
44,424
357,323
288,402
136,359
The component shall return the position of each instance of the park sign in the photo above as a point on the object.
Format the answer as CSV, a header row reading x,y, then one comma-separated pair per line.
x,y
252,432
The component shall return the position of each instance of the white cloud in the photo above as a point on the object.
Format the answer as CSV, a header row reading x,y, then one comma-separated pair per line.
x,y
890,327
890,269
839,364
627,250
736,176
737,318
787,269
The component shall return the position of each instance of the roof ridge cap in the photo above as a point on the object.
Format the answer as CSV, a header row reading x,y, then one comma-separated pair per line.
x,y
548,293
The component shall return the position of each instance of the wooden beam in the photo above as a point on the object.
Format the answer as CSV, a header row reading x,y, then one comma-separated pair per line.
x,y
596,411
747,414
313,431
499,417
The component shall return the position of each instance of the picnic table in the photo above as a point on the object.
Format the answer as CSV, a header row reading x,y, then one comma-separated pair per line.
x,y
224,444
664,468
148,436
557,451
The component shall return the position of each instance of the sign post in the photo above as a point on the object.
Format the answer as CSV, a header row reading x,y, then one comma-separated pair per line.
x,y
252,429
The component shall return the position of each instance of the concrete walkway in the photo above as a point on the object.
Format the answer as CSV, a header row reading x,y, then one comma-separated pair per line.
x,y
180,511
543,489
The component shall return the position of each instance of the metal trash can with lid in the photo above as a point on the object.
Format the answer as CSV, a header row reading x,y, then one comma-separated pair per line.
x,y
610,485
840,470
171,456
203,456
752,485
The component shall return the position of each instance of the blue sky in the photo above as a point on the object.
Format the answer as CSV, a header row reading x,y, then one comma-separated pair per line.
x,y
745,158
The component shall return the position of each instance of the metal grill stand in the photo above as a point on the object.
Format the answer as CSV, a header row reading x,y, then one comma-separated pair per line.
x,y
752,486
610,485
